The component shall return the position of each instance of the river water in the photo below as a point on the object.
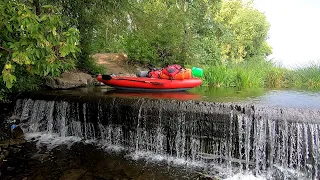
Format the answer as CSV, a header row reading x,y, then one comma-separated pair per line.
x,y
55,123
268,97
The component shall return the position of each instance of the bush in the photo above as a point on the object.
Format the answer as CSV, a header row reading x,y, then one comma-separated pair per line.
x,y
91,67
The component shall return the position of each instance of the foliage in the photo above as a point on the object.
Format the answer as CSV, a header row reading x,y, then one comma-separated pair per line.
x,y
152,38
195,32
245,32
276,77
304,77
31,46
166,32
243,75
262,75
169,31
93,19
90,66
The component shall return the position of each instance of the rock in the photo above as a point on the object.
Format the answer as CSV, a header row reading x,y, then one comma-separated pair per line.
x,y
4,143
72,174
14,117
95,82
11,142
17,133
4,135
3,155
70,80
38,177
17,142
40,157
10,168
14,150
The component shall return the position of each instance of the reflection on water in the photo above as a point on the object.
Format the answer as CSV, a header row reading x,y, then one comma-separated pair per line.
x,y
281,98
290,98
227,94
156,95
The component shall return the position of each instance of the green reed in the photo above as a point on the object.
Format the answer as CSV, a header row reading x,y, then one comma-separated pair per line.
x,y
305,77
263,74
243,75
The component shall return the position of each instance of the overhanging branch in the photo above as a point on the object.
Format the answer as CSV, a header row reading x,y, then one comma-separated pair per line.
x,y
9,50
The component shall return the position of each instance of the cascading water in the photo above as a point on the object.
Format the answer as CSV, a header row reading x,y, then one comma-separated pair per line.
x,y
222,138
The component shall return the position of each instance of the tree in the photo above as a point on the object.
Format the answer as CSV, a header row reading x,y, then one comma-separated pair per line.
x,y
33,46
88,17
167,31
246,32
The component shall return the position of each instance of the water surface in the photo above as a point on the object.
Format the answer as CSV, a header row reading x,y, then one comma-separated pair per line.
x,y
267,97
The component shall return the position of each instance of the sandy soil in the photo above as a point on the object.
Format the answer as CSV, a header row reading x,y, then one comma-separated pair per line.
x,y
116,63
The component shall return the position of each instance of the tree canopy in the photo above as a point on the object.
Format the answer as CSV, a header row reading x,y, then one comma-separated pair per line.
x,y
33,45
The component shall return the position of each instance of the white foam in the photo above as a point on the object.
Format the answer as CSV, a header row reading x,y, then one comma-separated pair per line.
x,y
246,176
150,156
51,140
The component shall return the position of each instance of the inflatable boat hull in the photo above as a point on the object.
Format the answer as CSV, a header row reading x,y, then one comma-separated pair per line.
x,y
149,84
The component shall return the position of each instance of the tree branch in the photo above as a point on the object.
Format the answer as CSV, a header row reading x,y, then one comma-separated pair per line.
x,y
9,50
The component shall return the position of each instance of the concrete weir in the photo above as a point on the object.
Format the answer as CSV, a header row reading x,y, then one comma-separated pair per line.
x,y
279,143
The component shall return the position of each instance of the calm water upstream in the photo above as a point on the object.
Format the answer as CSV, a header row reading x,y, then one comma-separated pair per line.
x,y
268,97
281,98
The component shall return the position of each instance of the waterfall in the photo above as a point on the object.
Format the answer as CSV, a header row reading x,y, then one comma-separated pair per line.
x,y
274,142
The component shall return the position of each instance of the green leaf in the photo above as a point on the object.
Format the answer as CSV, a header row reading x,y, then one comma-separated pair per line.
x,y
9,28
47,71
64,51
37,53
47,6
9,79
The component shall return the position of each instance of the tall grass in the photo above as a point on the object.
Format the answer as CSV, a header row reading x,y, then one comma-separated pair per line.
x,y
244,75
305,77
262,74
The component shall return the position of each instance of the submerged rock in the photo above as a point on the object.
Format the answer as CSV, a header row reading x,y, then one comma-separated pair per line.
x,y
3,154
72,174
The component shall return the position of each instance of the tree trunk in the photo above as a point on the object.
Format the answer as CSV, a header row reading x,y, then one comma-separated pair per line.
x,y
36,4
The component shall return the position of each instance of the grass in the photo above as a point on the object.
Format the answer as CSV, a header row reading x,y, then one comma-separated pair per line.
x,y
262,74
244,75
305,77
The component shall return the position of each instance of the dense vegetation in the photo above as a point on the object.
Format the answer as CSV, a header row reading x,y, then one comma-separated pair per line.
x,y
42,38
33,46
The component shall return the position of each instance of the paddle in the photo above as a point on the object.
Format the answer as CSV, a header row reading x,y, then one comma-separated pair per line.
x,y
108,77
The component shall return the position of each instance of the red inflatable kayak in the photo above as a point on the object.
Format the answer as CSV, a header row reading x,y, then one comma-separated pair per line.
x,y
148,84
